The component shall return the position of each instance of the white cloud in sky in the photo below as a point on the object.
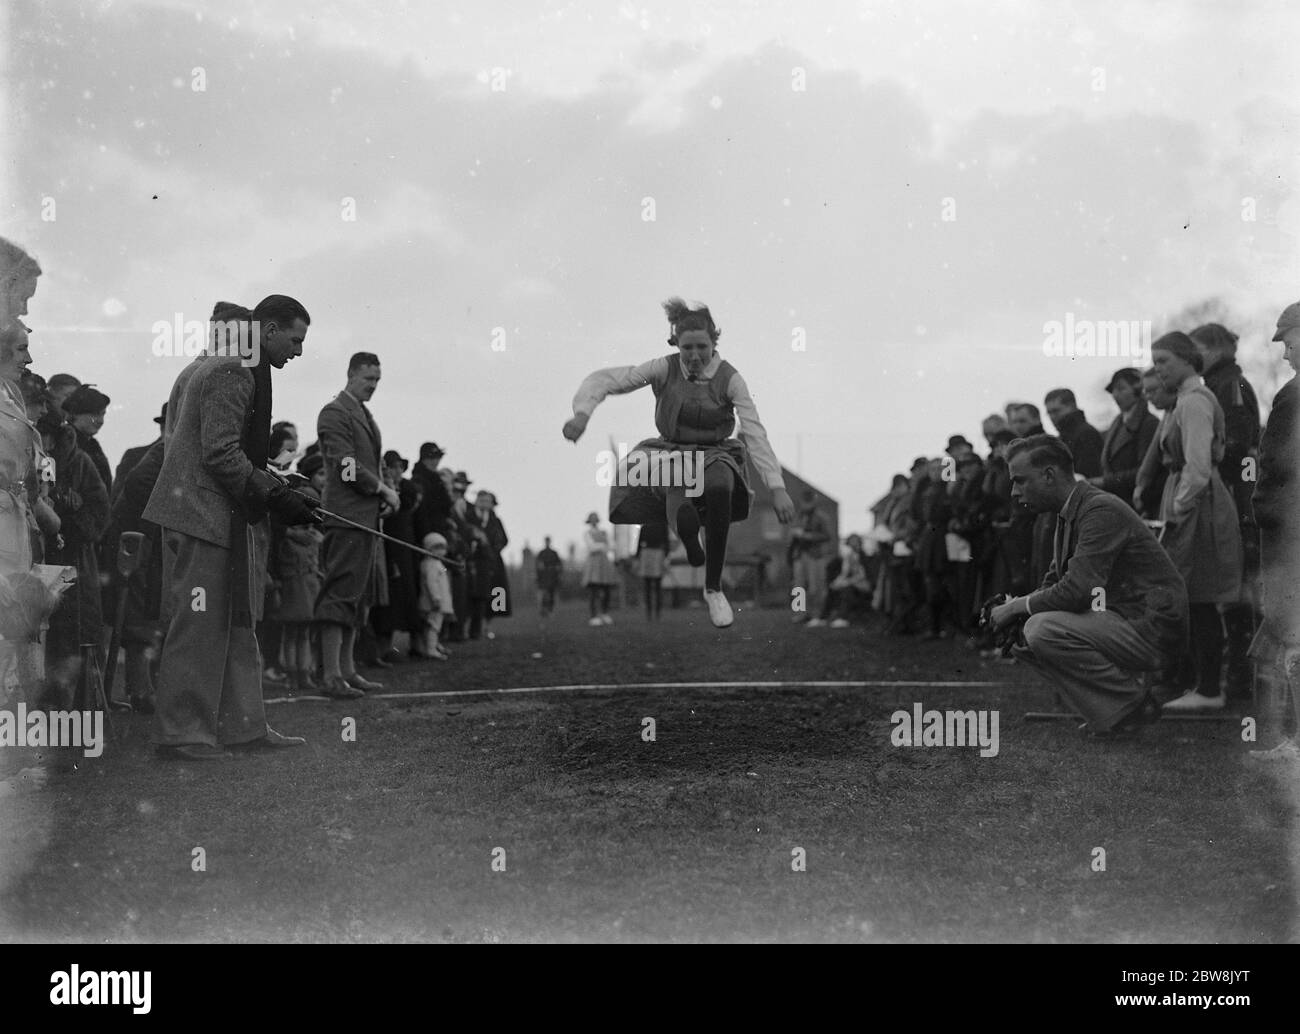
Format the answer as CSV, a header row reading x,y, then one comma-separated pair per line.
x,y
819,209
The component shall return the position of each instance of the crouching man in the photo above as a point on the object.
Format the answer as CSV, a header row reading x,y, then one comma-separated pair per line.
x,y
1112,605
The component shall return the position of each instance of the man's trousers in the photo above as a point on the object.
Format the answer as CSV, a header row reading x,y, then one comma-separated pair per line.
x,y
1093,659
210,679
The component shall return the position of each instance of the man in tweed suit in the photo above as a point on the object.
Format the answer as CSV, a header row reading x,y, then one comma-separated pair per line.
x,y
351,446
1111,605
212,489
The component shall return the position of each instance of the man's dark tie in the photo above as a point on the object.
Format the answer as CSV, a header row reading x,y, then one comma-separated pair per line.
x,y
370,421
1058,545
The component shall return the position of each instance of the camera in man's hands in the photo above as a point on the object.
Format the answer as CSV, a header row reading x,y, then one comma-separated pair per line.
x,y
1005,639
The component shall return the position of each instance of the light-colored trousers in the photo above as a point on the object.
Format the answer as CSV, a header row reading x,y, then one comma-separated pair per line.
x,y
809,573
210,678
432,629
1094,659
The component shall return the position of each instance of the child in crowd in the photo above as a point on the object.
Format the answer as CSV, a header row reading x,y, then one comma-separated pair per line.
x,y
435,595
298,567
282,448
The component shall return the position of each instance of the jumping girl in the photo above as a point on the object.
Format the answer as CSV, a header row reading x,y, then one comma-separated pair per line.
x,y
698,396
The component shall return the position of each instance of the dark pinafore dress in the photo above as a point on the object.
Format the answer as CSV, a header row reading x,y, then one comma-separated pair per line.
x,y
692,416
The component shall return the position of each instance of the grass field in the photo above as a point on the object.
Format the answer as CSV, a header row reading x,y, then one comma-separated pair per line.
x,y
690,837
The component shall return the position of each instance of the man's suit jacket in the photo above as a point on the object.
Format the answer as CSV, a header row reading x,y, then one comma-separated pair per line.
x,y
1123,449
130,458
205,477
351,446
1100,543
1084,441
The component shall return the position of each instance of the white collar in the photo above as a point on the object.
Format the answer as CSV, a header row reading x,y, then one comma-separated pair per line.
x,y
709,370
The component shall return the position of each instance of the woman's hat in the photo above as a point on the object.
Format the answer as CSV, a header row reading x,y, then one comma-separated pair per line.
x,y
392,458
434,542
86,399
1179,344
1128,375
484,495
34,389
593,517
1288,321
461,478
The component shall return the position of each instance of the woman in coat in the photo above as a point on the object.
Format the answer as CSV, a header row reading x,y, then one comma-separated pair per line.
x,y
403,565
23,506
81,501
598,574
1200,518
935,510
489,586
142,624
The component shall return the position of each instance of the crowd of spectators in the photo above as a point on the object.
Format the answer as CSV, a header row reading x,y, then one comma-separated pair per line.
x,y
948,534
63,508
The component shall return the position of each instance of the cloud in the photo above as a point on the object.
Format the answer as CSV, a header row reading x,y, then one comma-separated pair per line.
x,y
821,210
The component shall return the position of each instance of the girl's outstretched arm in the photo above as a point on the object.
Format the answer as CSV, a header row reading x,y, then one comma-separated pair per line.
x,y
613,380
754,435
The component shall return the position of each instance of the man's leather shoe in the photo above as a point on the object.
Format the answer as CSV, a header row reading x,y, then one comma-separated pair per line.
x,y
273,740
337,689
365,685
194,752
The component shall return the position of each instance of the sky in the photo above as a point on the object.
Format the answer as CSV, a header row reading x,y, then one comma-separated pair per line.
x,y
885,205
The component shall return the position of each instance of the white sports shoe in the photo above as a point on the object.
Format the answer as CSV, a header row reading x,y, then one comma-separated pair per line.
x,y
814,623
719,609
1193,702
605,619
840,623
1287,750
595,622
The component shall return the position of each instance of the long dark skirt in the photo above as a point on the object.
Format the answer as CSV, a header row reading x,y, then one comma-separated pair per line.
x,y
646,504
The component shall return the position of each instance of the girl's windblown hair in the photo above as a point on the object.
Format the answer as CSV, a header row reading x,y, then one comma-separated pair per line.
x,y
682,317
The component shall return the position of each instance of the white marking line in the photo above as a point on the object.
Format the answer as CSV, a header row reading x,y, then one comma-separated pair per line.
x,y
436,694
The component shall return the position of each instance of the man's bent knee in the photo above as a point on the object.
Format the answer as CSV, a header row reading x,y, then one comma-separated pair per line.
x,y
1035,629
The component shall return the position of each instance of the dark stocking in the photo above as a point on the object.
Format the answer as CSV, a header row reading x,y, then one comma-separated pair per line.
x,y
719,482
1207,646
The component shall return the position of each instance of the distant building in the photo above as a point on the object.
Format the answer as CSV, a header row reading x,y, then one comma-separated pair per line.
x,y
764,534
